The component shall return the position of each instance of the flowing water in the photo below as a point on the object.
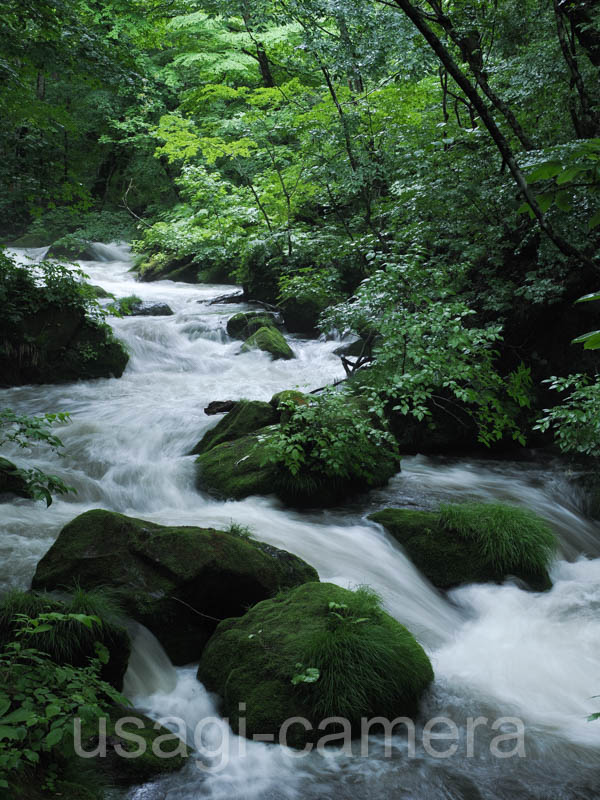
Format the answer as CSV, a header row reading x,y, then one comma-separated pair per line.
x,y
497,651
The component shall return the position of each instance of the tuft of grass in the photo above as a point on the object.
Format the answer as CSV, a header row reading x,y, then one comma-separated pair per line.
x,y
237,529
509,537
366,660
68,639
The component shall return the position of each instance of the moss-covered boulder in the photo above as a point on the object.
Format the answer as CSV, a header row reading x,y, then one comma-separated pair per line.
x,y
474,543
236,469
11,481
58,344
177,581
246,416
315,652
71,642
243,325
270,341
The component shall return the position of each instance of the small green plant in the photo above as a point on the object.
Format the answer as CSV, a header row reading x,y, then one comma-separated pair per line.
x,y
237,529
25,431
124,306
508,537
305,674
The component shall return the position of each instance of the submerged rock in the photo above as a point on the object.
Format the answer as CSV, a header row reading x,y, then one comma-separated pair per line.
x,y
315,652
177,581
473,543
244,324
146,309
246,416
270,341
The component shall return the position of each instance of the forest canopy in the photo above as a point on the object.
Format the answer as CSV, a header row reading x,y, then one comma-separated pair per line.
x,y
424,175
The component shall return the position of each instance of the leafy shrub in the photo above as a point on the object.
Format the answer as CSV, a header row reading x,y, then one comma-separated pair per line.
x,y
24,290
576,421
510,538
330,439
39,698
24,431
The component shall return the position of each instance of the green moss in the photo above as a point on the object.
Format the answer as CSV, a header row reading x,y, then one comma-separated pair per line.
x,y
244,324
245,417
368,663
235,469
70,642
450,556
178,581
270,341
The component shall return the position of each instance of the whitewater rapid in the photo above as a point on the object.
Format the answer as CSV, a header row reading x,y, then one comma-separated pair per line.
x,y
496,650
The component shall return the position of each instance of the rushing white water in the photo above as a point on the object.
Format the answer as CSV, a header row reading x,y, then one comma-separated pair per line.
x,y
496,650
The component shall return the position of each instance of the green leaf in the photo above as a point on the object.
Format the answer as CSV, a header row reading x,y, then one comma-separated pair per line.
x,y
545,200
19,715
590,341
7,732
545,171
42,629
568,174
54,737
595,220
587,298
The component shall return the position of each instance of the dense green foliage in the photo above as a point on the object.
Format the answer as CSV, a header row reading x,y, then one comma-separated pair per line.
x,y
425,172
39,697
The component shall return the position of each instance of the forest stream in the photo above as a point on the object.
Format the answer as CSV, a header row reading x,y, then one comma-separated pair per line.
x,y
125,450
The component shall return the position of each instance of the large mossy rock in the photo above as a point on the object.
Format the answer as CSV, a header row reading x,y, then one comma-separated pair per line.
x,y
270,341
11,481
246,416
71,642
58,344
368,664
235,461
236,469
177,581
243,325
473,543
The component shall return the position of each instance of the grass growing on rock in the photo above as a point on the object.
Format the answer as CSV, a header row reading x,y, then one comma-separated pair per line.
x,y
315,651
508,537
